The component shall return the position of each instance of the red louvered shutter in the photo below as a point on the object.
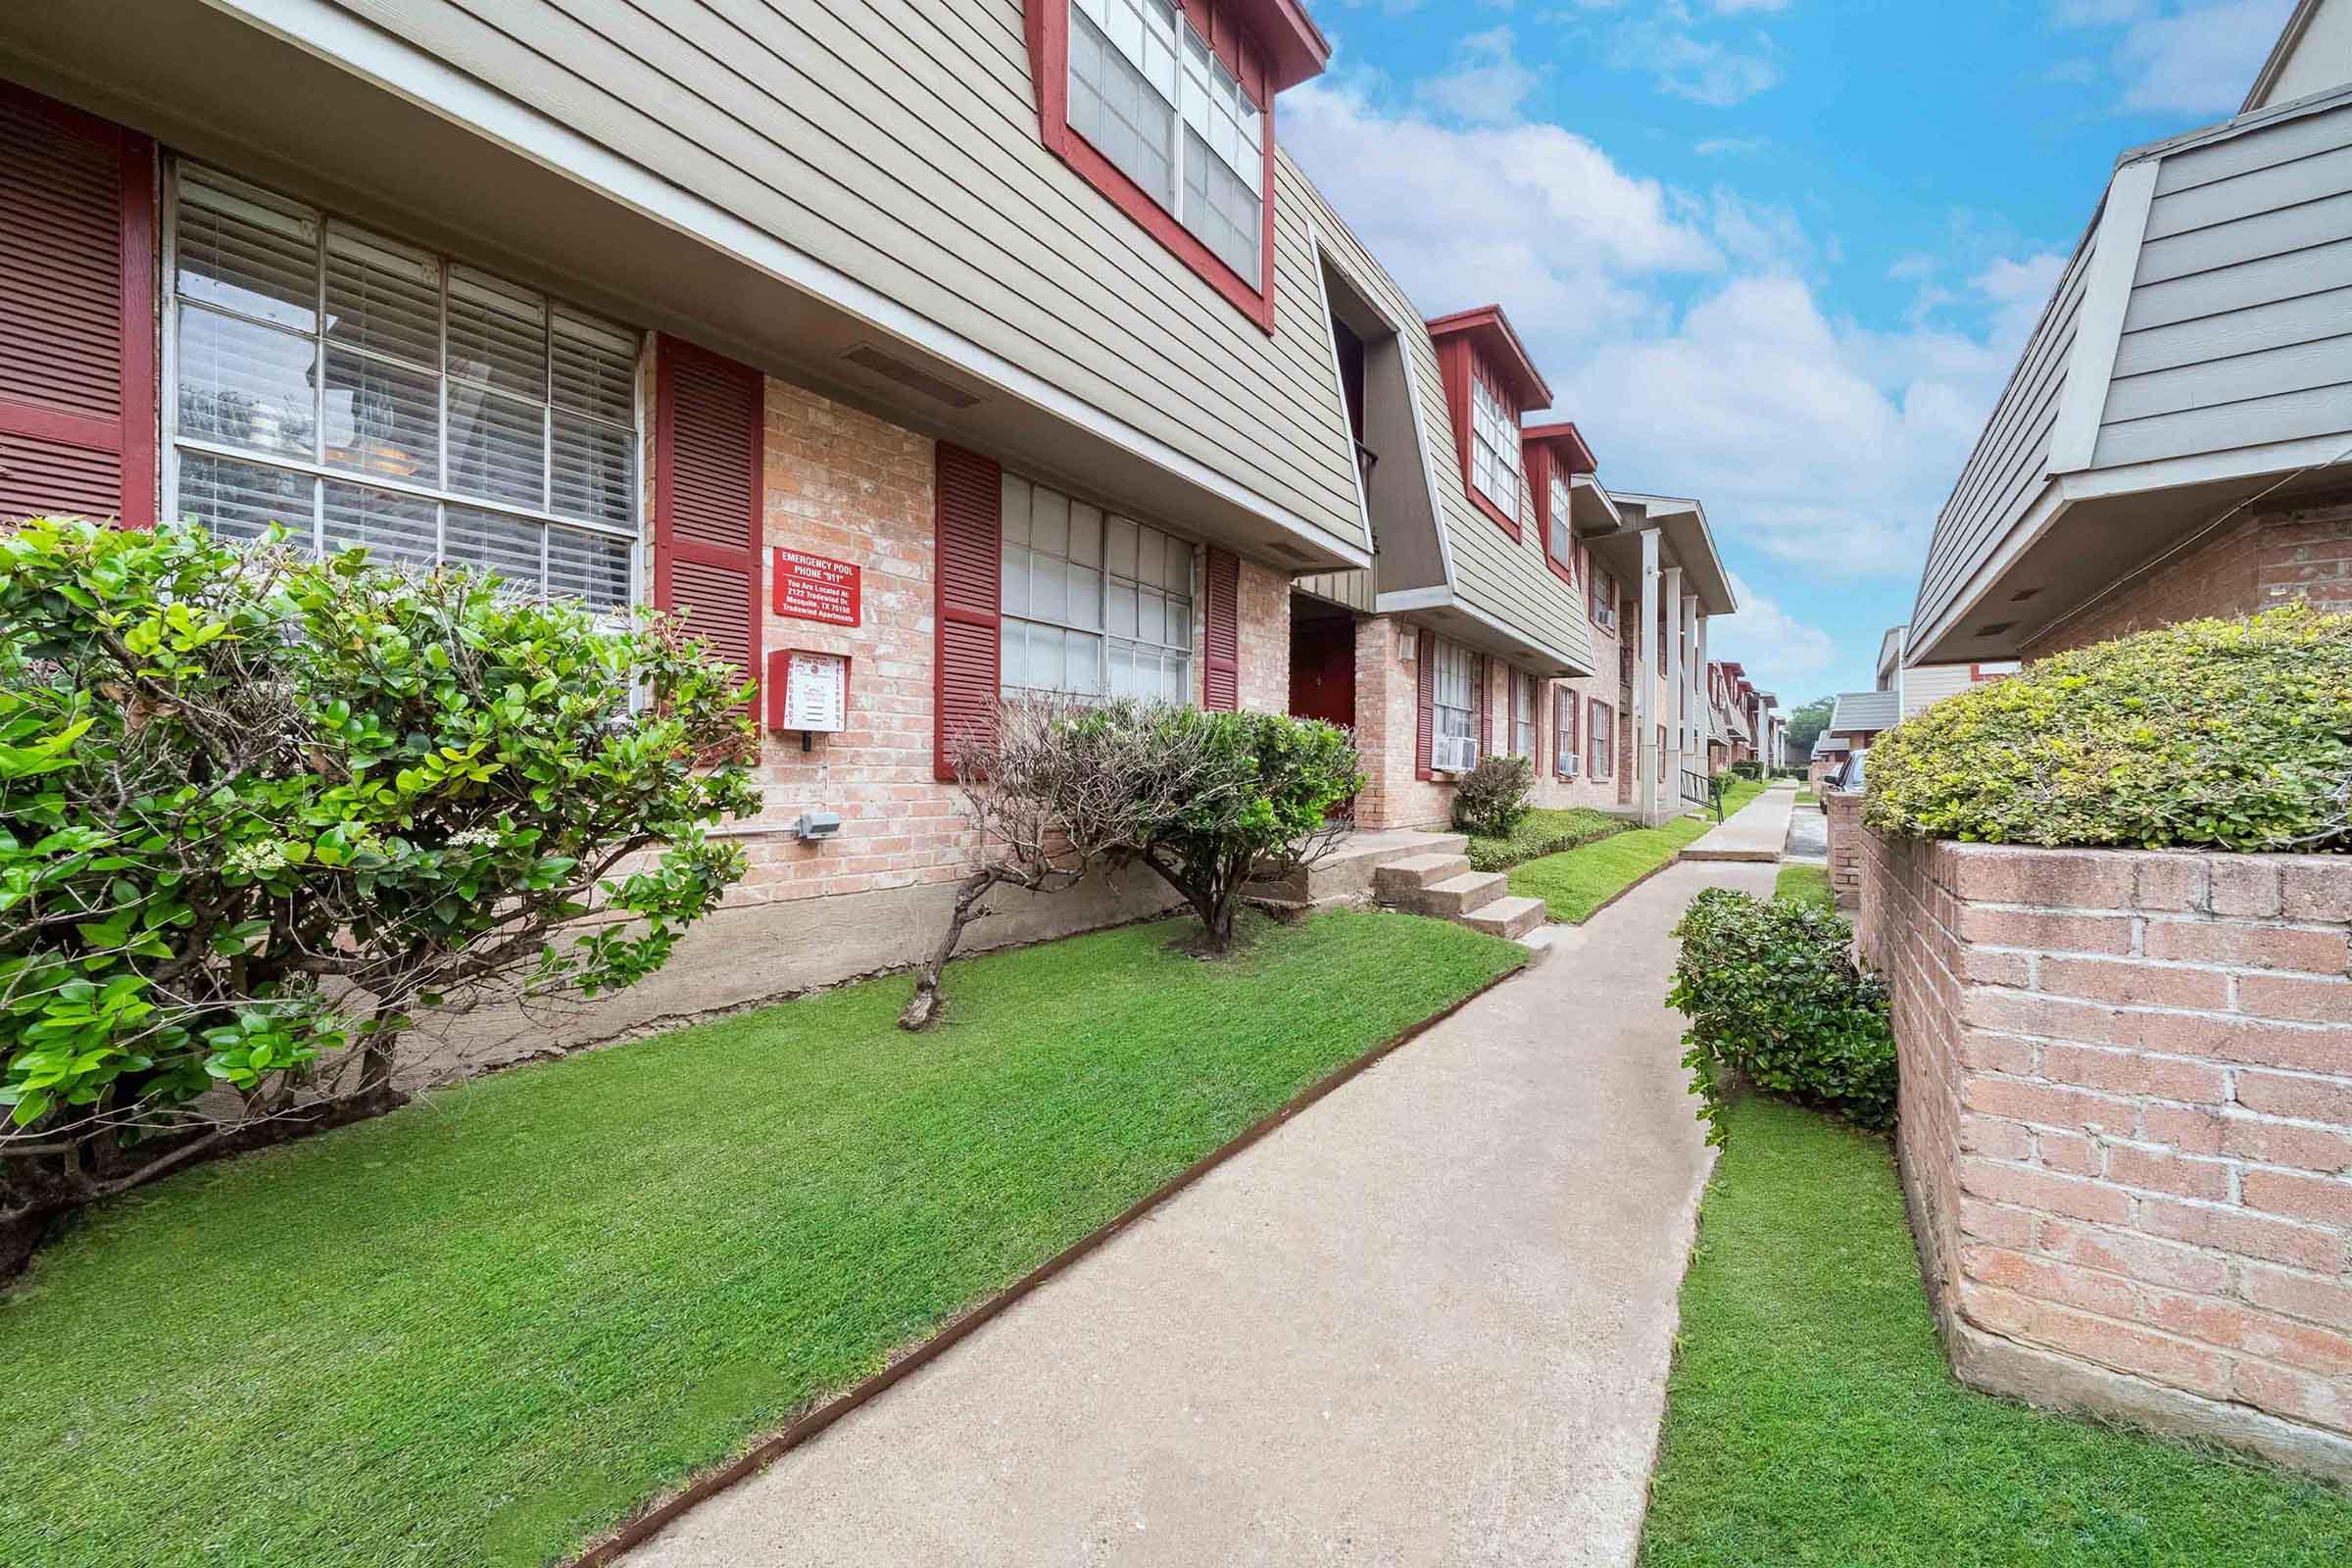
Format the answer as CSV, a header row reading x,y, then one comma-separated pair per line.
x,y
966,672
1425,686
707,422
77,390
1221,678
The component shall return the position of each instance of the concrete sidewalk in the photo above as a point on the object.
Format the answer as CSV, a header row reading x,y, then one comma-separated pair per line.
x,y
1754,832
1428,1322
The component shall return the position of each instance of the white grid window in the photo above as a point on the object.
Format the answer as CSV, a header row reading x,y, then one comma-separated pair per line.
x,y
1604,600
1096,605
1494,446
1139,77
364,392
1563,732
1601,729
1525,694
1452,705
1562,543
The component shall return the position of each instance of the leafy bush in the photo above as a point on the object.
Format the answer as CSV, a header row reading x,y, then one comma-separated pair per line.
x,y
2229,733
1772,993
1749,770
256,807
1255,803
1543,832
1492,798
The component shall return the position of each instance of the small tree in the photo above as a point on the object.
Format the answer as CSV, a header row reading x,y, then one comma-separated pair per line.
x,y
1272,783
1057,792
1495,797
257,808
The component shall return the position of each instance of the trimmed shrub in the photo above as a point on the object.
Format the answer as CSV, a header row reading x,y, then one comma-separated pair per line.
x,y
1495,797
1541,833
1749,770
2234,734
259,809
1774,995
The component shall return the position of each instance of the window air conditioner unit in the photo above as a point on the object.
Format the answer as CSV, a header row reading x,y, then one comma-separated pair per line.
x,y
1454,753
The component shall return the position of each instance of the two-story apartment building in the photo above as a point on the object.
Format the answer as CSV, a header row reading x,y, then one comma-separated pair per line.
x,y
955,350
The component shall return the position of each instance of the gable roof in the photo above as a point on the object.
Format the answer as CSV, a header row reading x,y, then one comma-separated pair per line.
x,y
1859,712
1490,332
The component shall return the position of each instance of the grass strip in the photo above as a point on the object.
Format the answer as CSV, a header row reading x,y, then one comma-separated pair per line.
x,y
1576,883
1805,883
1811,1418
482,1329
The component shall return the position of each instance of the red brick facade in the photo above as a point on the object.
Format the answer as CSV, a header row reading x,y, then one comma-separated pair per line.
x,y
2127,1127
2260,557
1844,810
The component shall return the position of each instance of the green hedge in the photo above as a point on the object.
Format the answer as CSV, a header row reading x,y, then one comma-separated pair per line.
x,y
2233,734
1543,832
1773,994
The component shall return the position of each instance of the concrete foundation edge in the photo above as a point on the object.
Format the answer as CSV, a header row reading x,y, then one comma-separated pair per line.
x,y
1993,1363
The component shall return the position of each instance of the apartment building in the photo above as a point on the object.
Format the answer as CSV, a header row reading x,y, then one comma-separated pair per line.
x,y
937,352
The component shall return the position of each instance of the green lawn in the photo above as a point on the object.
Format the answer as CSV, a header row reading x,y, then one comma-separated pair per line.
x,y
1809,884
1811,1419
1807,797
1575,882
482,1328
1544,831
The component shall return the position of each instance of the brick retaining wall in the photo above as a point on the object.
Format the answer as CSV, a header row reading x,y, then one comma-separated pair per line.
x,y
1843,808
2127,1128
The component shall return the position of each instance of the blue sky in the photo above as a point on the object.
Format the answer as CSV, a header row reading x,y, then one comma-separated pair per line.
x,y
1776,253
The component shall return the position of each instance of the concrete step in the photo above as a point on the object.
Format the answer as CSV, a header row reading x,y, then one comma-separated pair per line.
x,y
1344,875
1458,896
1401,882
1512,918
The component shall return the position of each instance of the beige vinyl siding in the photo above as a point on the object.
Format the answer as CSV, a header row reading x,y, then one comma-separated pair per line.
x,y
2011,460
1351,588
898,142
1504,578
1926,685
2239,328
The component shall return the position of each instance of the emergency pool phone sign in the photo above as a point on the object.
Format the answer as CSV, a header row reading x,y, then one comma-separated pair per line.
x,y
808,691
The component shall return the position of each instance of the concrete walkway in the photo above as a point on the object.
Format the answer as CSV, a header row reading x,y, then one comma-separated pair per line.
x,y
1426,1323
1754,832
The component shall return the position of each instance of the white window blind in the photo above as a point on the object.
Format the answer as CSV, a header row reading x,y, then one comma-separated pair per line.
x,y
360,391
1562,542
1495,446
1601,731
1139,78
1526,693
1451,705
1095,605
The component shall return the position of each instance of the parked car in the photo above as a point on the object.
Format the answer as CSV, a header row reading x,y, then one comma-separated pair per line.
x,y
1850,774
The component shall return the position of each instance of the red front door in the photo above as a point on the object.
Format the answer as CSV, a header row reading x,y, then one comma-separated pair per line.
x,y
1323,670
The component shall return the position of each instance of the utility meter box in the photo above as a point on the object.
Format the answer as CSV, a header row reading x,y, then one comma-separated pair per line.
x,y
808,691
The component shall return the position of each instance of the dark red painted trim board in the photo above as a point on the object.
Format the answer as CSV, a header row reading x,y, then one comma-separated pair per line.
x,y
670,544
638,1531
1047,26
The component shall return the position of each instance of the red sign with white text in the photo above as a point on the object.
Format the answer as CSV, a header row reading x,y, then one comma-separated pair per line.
x,y
816,589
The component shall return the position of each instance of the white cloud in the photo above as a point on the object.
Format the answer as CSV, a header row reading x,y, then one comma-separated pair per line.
x,y
2184,57
1485,85
1732,8
1729,146
1685,65
1812,441
1781,654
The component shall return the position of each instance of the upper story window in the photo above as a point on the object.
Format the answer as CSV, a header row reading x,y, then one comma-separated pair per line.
x,y
1095,605
362,391
1165,108
1494,434
1603,586
1559,534
1490,383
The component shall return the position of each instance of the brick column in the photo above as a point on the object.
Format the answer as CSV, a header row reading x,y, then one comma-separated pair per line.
x,y
1843,808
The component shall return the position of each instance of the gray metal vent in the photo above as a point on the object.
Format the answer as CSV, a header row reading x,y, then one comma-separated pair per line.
x,y
866,357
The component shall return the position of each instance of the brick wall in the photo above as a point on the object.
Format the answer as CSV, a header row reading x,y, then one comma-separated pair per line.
x,y
1385,716
2127,1128
1843,808
2259,559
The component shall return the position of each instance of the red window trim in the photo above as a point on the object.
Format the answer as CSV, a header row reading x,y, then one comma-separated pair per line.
x,y
1469,343
1047,24
1457,364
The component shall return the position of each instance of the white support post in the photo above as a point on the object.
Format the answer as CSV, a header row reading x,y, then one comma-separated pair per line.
x,y
1678,688
1644,633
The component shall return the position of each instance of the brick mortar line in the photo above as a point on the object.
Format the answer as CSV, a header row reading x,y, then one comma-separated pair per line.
x,y
2156,1009
2229,1352
2115,1184
2234,1296
2219,1064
